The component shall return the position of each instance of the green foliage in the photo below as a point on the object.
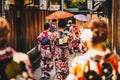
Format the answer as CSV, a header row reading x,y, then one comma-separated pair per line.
x,y
81,1
108,44
81,4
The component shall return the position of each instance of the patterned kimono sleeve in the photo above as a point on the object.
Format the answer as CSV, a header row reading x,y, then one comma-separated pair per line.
x,y
70,38
52,38
38,38
74,42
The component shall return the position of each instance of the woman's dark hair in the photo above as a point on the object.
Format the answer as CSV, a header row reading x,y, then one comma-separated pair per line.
x,y
46,26
62,23
99,29
54,20
4,32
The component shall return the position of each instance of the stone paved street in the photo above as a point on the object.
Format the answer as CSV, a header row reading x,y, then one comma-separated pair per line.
x,y
38,72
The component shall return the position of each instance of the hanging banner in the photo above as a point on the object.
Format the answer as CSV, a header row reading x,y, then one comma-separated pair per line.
x,y
100,0
90,4
43,4
54,7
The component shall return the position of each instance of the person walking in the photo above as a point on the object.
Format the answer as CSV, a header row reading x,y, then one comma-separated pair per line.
x,y
61,42
46,63
13,65
97,63
60,50
53,25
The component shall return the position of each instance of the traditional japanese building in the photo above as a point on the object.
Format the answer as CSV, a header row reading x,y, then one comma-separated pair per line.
x,y
27,17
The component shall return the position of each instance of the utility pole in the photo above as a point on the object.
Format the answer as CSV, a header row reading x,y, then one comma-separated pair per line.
x,y
2,11
0,7
62,5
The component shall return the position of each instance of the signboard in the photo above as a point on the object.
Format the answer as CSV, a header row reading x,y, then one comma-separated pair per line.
x,y
100,0
43,4
54,7
90,4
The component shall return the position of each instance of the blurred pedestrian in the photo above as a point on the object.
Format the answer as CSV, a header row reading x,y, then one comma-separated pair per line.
x,y
53,25
60,46
13,65
77,44
97,63
46,63
68,26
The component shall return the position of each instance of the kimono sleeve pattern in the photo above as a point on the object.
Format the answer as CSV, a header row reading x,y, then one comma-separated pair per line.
x,y
89,69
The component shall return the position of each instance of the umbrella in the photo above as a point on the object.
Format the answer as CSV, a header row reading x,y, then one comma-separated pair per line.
x,y
81,17
59,15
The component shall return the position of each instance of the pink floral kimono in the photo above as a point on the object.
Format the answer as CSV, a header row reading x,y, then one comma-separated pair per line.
x,y
46,56
61,44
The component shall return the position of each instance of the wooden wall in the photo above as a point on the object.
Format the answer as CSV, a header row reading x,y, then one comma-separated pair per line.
x,y
118,30
35,20
25,1
26,27
116,25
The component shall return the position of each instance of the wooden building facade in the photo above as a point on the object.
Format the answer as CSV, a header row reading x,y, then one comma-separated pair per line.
x,y
27,21
116,25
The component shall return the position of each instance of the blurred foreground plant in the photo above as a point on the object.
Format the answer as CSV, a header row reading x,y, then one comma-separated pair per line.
x,y
108,44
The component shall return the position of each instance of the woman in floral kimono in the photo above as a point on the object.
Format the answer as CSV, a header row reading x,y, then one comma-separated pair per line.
x,y
77,43
97,63
45,53
61,44
13,65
